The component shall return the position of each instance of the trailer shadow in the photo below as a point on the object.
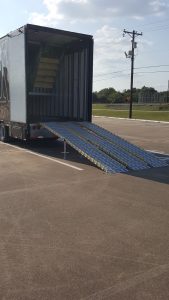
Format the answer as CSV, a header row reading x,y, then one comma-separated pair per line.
x,y
54,149
160,175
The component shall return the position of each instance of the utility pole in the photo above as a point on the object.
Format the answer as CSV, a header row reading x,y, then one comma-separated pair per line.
x,y
130,54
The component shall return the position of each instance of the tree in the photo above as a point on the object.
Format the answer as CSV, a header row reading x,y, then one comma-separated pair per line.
x,y
107,95
126,95
148,95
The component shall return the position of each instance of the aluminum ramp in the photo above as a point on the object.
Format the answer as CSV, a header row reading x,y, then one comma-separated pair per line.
x,y
145,156
106,150
88,150
113,151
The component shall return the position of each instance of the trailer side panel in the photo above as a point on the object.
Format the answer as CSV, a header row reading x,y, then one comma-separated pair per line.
x,y
4,80
17,82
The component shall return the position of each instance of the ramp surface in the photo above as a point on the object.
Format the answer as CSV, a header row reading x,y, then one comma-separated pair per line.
x,y
91,152
106,150
136,151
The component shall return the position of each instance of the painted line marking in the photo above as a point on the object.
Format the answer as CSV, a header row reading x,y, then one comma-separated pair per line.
x,y
158,152
164,156
43,156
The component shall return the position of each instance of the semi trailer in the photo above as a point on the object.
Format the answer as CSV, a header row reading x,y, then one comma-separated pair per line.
x,y
46,92
45,75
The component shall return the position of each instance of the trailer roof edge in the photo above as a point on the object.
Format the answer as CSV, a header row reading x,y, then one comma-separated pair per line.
x,y
58,31
11,32
50,29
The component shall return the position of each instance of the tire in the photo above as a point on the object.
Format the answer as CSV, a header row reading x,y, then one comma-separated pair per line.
x,y
3,133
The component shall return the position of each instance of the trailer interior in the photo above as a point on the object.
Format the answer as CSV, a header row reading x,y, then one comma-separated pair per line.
x,y
59,75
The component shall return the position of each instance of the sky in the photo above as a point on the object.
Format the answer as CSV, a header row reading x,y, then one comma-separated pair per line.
x,y
105,20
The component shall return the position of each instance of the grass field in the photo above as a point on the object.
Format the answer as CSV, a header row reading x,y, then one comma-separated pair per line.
x,y
147,112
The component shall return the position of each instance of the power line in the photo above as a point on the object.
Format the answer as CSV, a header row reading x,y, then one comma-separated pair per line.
x,y
154,23
121,75
137,68
102,74
158,29
155,66
124,75
151,72
156,50
161,25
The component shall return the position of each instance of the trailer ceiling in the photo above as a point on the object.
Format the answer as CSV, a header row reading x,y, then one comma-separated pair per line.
x,y
54,37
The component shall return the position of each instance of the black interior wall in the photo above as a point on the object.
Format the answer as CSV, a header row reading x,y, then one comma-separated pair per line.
x,y
72,86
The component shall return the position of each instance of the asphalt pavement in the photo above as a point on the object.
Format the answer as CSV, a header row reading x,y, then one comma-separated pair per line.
x,y
70,231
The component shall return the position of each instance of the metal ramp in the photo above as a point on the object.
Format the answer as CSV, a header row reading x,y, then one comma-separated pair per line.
x,y
149,158
106,150
121,156
89,151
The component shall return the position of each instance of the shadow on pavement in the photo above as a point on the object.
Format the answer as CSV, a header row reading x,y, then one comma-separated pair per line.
x,y
154,174
55,149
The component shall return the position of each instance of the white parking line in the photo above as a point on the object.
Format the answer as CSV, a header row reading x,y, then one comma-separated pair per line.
x,y
43,156
158,152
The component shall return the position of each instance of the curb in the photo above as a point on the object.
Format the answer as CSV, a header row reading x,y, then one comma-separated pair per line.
x,y
142,120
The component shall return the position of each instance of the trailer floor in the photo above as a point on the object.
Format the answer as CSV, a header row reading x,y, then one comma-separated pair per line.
x,y
71,234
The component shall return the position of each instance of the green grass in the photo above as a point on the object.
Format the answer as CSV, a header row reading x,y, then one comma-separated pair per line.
x,y
139,112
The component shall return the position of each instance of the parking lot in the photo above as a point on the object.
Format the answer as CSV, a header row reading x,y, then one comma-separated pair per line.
x,y
70,231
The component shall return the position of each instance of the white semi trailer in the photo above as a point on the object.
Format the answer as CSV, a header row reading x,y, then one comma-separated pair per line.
x,y
45,75
46,92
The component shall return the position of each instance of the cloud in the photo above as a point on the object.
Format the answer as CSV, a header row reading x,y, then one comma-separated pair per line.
x,y
74,10
158,5
109,50
51,17
91,15
109,45
109,57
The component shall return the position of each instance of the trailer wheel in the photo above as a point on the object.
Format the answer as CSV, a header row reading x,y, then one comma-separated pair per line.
x,y
4,133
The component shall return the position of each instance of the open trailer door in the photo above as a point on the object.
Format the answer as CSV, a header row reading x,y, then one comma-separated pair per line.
x,y
59,75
